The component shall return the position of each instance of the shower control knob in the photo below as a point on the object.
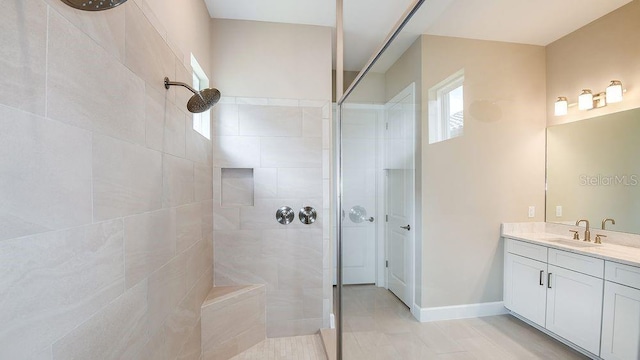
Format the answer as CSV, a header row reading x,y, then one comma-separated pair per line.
x,y
285,215
307,215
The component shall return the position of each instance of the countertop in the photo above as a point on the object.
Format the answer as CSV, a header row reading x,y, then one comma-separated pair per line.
x,y
628,255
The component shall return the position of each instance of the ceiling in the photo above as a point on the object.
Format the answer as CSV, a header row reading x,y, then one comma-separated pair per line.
x,y
367,22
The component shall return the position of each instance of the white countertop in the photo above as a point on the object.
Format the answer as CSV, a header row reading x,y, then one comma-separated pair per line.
x,y
628,255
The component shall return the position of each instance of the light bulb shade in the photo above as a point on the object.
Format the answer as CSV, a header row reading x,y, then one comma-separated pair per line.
x,y
585,100
614,92
561,106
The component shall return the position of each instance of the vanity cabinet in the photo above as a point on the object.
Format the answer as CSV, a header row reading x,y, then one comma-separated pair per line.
x,y
621,313
574,307
557,290
525,291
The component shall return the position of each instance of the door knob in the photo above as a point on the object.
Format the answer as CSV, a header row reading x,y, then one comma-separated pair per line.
x,y
408,227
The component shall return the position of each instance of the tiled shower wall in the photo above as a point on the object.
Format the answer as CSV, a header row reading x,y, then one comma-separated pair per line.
x,y
105,189
286,143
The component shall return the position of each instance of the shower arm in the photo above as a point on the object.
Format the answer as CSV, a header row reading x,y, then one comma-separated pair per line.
x,y
168,84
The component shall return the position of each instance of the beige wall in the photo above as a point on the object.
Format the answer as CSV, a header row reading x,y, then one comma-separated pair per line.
x,y
489,175
260,59
589,58
106,198
371,89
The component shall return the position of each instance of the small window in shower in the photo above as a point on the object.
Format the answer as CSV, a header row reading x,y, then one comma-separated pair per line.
x,y
201,121
446,108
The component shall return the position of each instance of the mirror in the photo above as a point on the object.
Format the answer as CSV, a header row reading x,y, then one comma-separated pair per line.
x,y
593,171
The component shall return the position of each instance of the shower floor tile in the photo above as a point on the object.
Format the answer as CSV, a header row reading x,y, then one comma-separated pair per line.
x,y
307,347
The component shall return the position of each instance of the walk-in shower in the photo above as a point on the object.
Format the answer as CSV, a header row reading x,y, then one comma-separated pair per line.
x,y
94,5
201,101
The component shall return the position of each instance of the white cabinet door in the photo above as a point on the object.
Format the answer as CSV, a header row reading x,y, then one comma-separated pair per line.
x,y
574,307
620,323
525,290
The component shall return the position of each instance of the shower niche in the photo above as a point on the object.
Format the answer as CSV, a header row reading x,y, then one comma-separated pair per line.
x,y
237,187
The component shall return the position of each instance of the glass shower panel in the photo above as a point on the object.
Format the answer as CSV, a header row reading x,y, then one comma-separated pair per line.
x,y
378,134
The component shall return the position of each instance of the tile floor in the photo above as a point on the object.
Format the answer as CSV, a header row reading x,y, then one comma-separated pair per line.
x,y
307,347
378,326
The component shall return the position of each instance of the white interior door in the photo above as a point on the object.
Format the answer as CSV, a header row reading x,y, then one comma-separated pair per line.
x,y
359,154
400,193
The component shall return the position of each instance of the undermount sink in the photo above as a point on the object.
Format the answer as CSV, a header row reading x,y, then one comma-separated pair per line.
x,y
574,243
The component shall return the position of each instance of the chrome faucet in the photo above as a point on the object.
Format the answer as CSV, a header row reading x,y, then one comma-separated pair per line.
x,y
587,232
604,223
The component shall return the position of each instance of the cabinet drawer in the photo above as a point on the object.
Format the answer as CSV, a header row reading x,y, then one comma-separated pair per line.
x,y
622,274
528,250
580,263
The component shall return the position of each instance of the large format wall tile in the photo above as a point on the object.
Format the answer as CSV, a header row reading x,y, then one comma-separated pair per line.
x,y
312,122
291,153
88,88
150,242
119,331
146,52
105,27
225,120
177,179
156,110
188,226
184,321
199,148
52,282
23,47
45,176
299,183
237,151
282,142
257,120
167,286
174,131
203,181
127,179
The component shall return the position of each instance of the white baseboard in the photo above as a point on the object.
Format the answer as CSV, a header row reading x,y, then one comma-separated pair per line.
x,y
458,311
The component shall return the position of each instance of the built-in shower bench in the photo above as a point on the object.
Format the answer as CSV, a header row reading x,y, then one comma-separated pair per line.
x,y
232,320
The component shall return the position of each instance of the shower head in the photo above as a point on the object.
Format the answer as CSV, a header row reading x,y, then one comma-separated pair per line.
x,y
201,101
93,5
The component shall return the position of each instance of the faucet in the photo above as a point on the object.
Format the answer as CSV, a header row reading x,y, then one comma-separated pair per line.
x,y
604,223
587,233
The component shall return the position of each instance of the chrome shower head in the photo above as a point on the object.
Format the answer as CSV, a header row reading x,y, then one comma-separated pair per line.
x,y
201,101
93,5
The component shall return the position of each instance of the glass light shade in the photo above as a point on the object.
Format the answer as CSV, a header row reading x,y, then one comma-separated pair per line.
x,y
614,92
585,100
561,107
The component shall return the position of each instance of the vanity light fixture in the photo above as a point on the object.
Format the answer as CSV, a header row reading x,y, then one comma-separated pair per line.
x,y
587,100
561,107
614,92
